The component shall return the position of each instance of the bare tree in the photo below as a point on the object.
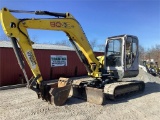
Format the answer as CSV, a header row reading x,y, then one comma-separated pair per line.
x,y
64,43
101,47
34,38
153,53
141,53
93,43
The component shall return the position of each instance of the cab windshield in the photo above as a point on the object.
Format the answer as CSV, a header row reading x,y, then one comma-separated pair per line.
x,y
113,52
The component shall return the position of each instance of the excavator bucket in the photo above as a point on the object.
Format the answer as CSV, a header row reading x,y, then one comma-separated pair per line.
x,y
57,93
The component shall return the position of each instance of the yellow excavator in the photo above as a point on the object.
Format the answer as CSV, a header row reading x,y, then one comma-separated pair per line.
x,y
152,68
120,59
157,69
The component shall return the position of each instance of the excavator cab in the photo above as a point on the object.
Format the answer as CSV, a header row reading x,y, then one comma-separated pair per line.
x,y
121,56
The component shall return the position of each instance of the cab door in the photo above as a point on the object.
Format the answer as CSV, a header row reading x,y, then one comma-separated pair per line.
x,y
131,59
114,57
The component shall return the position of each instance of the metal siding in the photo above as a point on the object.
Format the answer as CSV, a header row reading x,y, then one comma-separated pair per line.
x,y
10,70
43,58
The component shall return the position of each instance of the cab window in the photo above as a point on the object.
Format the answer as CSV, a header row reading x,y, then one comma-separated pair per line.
x,y
131,50
113,54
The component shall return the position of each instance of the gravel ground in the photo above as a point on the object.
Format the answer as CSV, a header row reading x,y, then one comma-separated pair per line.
x,y
22,104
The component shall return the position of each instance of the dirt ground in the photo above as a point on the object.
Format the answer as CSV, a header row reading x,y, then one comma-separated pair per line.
x,y
22,104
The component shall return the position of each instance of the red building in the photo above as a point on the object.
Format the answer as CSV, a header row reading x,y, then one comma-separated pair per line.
x,y
10,72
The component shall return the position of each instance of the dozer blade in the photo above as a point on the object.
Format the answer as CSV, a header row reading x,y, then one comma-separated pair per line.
x,y
118,89
57,93
95,95
89,94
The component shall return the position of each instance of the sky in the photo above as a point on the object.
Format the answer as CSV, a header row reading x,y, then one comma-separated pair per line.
x,y
99,18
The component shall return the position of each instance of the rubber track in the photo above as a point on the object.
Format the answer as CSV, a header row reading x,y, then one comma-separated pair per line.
x,y
115,90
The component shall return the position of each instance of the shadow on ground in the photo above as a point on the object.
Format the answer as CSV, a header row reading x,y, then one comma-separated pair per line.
x,y
73,100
